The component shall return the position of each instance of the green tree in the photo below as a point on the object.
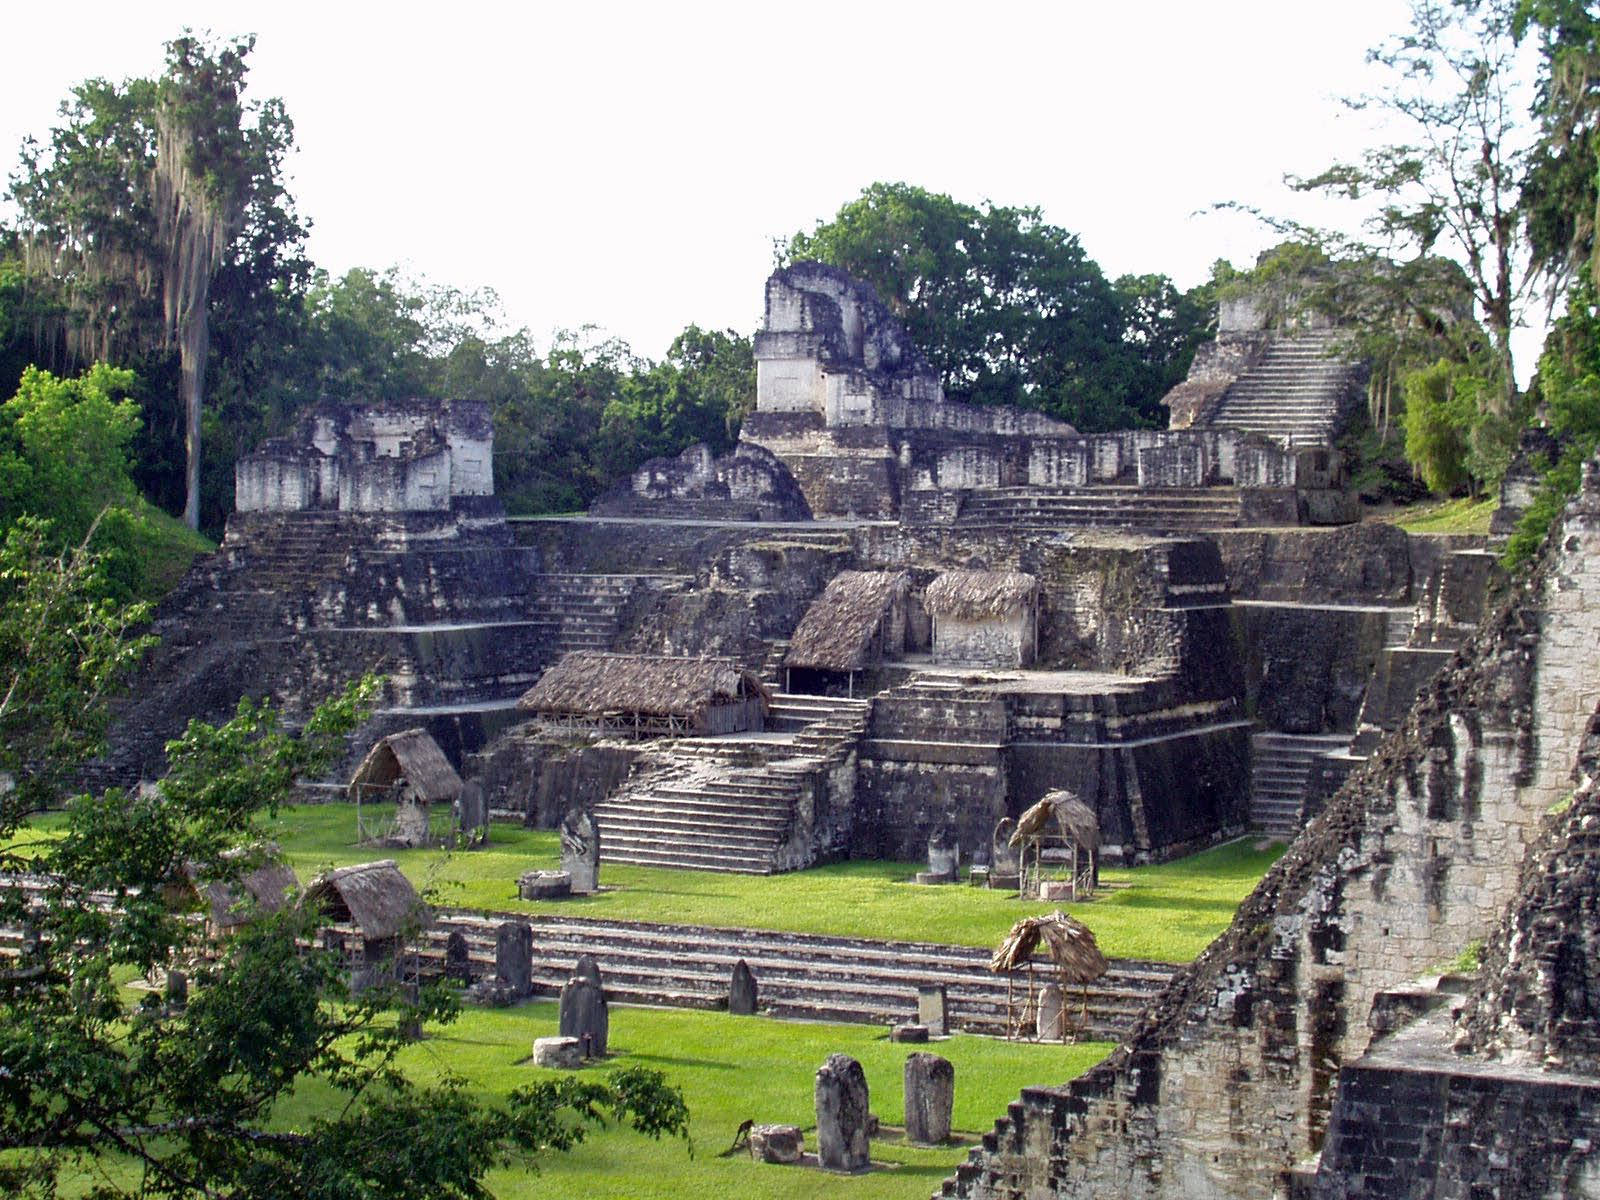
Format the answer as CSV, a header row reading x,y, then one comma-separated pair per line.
x,y
143,193
64,646
1008,308
192,1102
1440,407
1560,198
1455,189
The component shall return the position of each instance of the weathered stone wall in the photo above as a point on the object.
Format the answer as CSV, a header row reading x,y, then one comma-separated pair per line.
x,y
542,777
1308,670
750,484
1005,640
1416,856
1369,563
295,605
395,456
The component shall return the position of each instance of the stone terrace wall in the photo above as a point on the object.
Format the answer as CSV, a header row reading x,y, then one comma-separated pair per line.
x,y
1227,1082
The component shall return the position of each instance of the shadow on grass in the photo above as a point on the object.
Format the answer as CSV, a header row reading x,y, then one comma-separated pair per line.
x,y
673,1060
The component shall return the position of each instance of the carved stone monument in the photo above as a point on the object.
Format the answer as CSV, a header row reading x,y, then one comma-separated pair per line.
x,y
930,1091
1005,868
933,1008
584,1015
1052,1021
513,959
580,851
943,856
457,958
742,990
842,1110
472,814
177,991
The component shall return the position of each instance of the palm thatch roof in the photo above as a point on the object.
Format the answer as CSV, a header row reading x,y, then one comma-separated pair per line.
x,y
593,683
374,897
1077,819
838,631
266,889
412,757
973,595
1067,943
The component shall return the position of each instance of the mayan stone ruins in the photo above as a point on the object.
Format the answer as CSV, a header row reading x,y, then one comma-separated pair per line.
x,y
887,625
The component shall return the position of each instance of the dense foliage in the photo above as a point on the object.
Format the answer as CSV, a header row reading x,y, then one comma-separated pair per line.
x,y
164,1099
1009,308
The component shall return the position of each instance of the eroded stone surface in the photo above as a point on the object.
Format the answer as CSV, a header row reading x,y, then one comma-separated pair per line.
x,y
558,1053
930,1090
842,1112
777,1143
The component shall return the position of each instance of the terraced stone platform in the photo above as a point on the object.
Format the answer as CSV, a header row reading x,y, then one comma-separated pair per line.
x,y
800,976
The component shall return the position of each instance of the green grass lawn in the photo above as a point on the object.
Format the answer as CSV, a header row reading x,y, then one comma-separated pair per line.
x,y
1465,515
731,1068
1168,912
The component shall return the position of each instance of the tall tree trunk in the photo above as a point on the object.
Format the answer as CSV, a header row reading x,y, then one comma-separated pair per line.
x,y
196,221
193,347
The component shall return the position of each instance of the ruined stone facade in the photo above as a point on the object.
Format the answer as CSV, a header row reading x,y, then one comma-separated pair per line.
x,y
1417,856
398,456
856,413
368,541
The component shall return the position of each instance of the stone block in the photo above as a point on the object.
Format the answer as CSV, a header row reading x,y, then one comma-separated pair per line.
x,y
558,1053
933,1008
544,885
908,1032
842,1112
930,1089
777,1143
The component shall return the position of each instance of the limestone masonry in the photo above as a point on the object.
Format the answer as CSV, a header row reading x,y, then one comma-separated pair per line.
x,y
888,621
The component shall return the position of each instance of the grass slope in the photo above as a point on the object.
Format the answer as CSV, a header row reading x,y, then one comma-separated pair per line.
x,y
731,1068
1465,515
1168,912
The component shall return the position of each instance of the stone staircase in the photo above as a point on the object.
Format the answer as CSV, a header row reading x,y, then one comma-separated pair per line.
x,y
1296,394
1113,506
728,803
799,976
584,612
1280,767
1397,633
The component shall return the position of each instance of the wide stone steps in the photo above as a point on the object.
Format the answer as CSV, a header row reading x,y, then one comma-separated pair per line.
x,y
1280,769
1296,394
1113,507
728,804
800,975
737,821
583,612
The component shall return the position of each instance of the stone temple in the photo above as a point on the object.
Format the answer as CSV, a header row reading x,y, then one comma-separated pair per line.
x,y
888,617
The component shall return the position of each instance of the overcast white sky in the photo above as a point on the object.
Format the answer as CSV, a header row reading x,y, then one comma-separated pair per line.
x,y
630,165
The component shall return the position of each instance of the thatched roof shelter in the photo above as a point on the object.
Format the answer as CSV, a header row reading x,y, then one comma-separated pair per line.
x,y
411,758
1076,818
842,630
231,903
974,595
592,684
1067,943
374,897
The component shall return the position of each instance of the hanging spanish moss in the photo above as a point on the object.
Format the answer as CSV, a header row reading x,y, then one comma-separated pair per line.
x,y
197,216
